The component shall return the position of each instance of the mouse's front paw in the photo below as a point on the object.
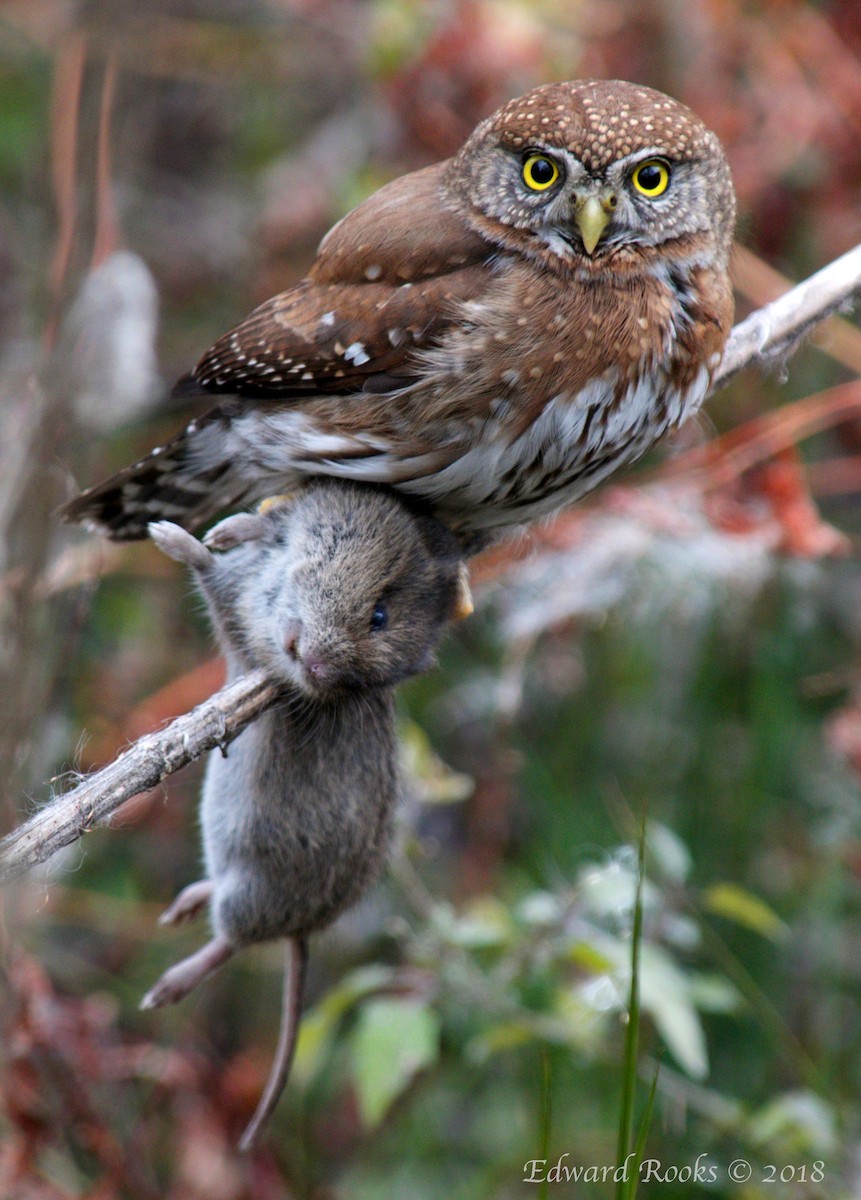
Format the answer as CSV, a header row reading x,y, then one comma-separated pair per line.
x,y
232,531
178,544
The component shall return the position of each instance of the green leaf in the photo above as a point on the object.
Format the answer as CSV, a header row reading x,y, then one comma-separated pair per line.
x,y
319,1026
393,1040
590,958
505,1035
484,922
539,908
667,995
668,851
316,1034
736,904
714,994
433,780
797,1122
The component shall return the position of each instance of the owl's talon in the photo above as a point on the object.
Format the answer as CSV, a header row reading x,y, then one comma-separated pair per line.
x,y
280,501
464,606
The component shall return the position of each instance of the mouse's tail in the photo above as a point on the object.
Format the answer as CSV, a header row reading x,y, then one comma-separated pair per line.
x,y
294,986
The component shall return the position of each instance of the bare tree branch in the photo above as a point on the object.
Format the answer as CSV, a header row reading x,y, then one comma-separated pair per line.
x,y
774,331
766,335
141,767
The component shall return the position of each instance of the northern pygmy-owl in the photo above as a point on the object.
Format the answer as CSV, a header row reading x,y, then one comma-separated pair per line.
x,y
494,334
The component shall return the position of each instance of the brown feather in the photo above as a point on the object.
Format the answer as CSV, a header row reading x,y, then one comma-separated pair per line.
x,y
335,338
385,283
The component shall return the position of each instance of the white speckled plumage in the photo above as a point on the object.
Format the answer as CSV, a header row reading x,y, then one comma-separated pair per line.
x,y
469,339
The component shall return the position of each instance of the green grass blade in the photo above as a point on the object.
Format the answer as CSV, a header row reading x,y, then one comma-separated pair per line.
x,y
642,1134
545,1120
632,1033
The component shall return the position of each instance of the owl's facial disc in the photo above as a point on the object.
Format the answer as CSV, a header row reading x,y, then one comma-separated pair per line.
x,y
578,206
623,206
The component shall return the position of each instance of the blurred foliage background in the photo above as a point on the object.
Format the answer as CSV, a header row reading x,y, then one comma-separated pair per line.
x,y
684,646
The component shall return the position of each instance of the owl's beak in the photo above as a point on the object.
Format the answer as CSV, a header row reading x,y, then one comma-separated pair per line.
x,y
592,216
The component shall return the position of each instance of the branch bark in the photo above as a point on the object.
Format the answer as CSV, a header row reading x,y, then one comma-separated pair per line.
x,y
773,332
766,335
142,766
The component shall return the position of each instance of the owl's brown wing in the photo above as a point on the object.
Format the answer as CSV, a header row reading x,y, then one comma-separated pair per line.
x,y
388,281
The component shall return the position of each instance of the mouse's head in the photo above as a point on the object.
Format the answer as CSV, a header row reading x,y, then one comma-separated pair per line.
x,y
355,592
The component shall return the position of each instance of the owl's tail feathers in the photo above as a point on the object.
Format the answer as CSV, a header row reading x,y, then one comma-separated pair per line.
x,y
169,484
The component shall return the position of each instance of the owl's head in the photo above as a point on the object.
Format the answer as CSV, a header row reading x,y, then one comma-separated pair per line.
x,y
595,174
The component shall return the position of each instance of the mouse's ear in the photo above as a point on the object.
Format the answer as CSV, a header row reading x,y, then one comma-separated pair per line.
x,y
441,542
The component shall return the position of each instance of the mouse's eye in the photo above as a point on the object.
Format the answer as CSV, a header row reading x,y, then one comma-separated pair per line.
x,y
379,617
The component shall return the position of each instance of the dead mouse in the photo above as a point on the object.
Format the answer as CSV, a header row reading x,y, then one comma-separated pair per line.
x,y
340,593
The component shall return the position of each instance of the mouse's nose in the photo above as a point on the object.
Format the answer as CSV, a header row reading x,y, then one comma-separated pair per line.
x,y
317,667
292,630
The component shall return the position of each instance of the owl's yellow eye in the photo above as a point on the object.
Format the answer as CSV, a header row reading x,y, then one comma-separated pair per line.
x,y
539,172
651,178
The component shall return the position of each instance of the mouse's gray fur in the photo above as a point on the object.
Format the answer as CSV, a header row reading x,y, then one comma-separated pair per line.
x,y
339,594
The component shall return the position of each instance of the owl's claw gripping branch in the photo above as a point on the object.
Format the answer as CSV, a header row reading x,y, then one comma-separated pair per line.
x,y
460,358
493,335
149,760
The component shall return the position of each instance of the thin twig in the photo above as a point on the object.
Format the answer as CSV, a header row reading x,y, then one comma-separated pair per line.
x,y
142,766
769,333
774,331
759,283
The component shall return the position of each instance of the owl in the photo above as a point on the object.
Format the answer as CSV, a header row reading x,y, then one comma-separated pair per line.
x,y
493,335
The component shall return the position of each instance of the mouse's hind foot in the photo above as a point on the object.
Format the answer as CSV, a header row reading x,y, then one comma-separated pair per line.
x,y
184,976
188,903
